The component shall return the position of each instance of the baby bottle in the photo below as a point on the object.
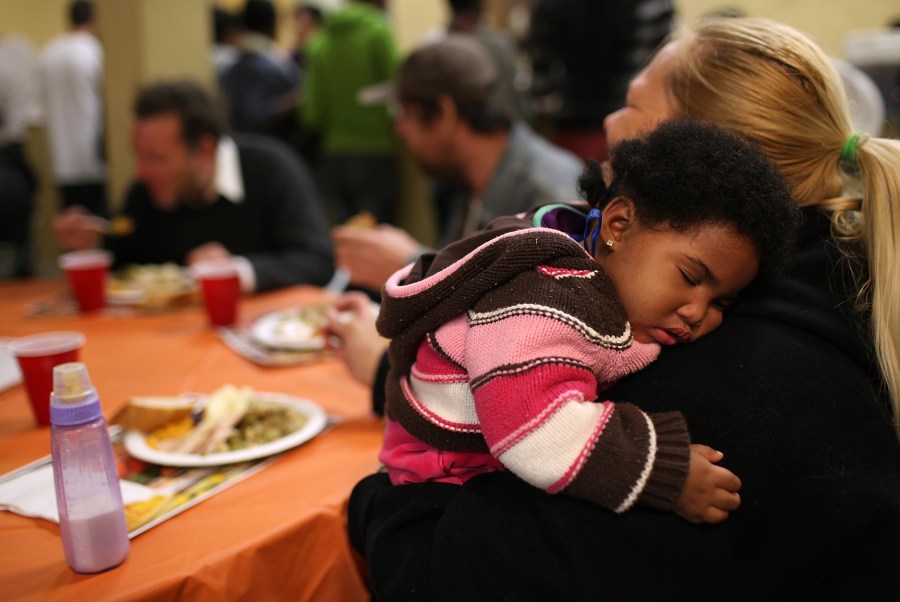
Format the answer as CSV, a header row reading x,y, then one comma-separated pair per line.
x,y
91,516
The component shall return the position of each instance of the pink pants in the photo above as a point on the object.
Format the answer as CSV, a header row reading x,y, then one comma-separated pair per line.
x,y
408,460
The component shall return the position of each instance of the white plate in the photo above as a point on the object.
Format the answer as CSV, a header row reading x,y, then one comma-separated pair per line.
x,y
154,284
125,296
136,442
287,329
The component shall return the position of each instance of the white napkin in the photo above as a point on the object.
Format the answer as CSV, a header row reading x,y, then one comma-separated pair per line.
x,y
9,367
31,493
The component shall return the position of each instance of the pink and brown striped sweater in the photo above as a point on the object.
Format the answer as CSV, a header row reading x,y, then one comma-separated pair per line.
x,y
501,345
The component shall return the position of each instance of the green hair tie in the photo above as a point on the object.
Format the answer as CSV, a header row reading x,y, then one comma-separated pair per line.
x,y
848,153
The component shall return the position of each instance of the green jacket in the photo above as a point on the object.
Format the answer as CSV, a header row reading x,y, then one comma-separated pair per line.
x,y
354,50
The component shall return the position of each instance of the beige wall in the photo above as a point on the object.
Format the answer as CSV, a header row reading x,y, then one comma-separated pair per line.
x,y
40,20
826,22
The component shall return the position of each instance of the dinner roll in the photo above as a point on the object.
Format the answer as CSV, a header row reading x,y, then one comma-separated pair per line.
x,y
363,219
148,413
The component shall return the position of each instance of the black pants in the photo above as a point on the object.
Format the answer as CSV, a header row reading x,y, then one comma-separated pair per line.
x,y
354,183
17,187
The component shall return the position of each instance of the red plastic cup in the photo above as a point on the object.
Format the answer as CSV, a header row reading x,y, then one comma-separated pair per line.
x,y
37,354
221,288
86,271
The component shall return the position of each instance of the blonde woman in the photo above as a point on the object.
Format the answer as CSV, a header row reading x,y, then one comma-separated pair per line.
x,y
764,81
799,387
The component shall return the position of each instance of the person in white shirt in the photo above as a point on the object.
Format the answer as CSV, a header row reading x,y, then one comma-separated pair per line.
x,y
71,72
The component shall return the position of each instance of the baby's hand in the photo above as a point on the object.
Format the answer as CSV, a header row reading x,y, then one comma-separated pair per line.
x,y
710,491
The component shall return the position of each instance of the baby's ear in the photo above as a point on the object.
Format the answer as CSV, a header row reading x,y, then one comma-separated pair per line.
x,y
618,216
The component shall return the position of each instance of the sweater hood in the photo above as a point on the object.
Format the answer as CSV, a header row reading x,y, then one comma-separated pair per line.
x,y
443,285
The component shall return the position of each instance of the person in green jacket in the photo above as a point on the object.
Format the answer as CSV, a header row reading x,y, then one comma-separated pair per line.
x,y
358,168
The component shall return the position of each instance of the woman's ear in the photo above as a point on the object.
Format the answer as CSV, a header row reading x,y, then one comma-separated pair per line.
x,y
618,217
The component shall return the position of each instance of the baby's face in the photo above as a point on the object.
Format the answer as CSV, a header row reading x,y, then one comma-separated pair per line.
x,y
674,286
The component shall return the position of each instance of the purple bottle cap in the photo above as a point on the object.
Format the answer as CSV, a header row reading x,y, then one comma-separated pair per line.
x,y
74,399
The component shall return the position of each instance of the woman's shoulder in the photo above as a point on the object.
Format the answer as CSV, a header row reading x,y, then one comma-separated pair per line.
x,y
815,295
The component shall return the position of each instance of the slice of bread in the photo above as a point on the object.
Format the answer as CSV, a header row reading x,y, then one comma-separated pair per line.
x,y
148,413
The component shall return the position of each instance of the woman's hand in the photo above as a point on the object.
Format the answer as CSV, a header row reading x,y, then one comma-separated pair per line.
x,y
351,320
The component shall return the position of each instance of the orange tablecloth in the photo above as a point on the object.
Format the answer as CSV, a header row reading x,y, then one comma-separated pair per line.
x,y
278,535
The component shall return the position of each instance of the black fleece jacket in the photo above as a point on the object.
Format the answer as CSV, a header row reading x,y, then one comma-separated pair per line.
x,y
786,388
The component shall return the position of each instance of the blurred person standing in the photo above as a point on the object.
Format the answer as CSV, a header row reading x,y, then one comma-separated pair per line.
x,y
72,75
263,83
308,19
226,37
202,195
19,108
583,55
358,167
467,17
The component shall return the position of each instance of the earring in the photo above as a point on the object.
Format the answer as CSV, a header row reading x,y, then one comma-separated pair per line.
x,y
609,243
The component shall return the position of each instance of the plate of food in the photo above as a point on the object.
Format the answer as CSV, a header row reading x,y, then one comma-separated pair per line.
x,y
294,329
230,425
151,285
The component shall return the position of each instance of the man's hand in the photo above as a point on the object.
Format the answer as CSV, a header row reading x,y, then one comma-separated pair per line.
x,y
710,492
211,251
75,229
372,255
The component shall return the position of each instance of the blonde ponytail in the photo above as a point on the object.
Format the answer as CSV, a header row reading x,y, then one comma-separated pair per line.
x,y
879,171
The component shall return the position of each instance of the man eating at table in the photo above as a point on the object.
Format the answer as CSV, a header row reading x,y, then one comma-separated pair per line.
x,y
202,195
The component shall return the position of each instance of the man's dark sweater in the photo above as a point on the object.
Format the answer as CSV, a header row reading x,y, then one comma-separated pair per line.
x,y
279,225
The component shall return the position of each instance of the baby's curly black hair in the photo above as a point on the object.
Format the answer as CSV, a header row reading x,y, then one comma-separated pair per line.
x,y
686,174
